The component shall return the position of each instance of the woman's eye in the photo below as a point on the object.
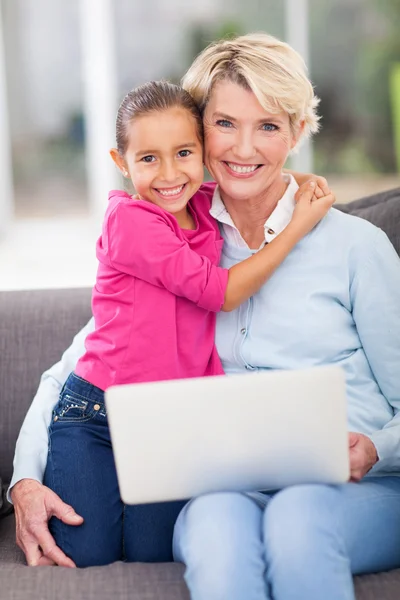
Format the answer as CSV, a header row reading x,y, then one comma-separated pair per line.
x,y
184,153
224,123
270,127
148,159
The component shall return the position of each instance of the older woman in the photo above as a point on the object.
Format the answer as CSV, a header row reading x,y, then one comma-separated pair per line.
x,y
335,299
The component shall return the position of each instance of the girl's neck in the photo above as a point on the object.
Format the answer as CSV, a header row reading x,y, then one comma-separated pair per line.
x,y
250,214
185,219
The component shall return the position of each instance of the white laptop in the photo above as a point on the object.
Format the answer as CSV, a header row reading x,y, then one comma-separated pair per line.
x,y
265,430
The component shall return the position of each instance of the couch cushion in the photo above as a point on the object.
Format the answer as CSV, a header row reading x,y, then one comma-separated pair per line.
x,y
9,551
5,506
383,210
126,581
38,327
381,586
121,581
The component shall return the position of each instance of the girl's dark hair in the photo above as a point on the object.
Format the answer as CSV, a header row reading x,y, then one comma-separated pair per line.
x,y
149,97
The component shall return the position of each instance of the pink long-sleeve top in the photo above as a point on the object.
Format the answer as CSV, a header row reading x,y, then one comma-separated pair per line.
x,y
157,292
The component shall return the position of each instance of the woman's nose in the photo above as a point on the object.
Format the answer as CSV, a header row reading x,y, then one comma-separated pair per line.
x,y
244,148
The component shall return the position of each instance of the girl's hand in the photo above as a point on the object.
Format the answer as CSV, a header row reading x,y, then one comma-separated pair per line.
x,y
302,179
310,208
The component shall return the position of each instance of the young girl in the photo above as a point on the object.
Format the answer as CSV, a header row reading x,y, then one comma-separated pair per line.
x,y
157,293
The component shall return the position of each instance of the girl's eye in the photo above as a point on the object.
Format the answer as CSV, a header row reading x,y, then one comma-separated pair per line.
x,y
184,153
269,127
148,159
224,123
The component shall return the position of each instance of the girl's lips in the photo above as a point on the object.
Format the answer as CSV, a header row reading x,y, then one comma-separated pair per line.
x,y
240,175
167,197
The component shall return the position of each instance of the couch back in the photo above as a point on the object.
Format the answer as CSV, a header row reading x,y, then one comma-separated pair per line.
x,y
383,210
35,328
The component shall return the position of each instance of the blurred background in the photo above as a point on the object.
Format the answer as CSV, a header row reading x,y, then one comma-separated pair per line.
x,y
65,66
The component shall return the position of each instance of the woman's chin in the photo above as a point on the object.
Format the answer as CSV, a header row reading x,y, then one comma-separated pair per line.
x,y
241,189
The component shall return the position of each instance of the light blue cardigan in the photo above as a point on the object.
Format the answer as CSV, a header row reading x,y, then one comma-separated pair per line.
x,y
335,299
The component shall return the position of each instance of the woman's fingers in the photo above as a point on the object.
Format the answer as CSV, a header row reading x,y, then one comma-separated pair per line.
x,y
34,504
30,548
51,551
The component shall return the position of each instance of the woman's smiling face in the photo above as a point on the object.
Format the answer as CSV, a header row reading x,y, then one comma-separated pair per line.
x,y
245,146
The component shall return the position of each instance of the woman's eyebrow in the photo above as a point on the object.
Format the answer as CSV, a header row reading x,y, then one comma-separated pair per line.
x,y
224,116
266,119
271,118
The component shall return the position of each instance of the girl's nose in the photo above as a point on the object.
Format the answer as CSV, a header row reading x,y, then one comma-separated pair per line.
x,y
169,172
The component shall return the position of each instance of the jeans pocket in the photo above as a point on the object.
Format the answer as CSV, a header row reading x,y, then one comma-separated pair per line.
x,y
72,408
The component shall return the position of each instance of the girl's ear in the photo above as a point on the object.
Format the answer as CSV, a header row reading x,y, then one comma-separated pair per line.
x,y
119,161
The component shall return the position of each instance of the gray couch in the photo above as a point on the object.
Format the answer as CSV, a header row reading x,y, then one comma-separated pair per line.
x,y
35,327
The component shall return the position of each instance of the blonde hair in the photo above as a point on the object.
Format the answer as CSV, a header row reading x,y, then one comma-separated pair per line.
x,y
271,69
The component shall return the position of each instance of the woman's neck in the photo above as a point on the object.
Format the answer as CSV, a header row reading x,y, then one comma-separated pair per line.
x,y
250,214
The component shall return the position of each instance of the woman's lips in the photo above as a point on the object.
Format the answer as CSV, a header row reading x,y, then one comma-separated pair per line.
x,y
240,170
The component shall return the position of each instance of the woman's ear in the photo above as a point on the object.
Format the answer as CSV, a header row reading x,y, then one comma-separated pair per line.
x,y
298,133
119,162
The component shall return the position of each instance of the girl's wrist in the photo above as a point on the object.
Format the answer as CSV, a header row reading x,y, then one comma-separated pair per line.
x,y
293,231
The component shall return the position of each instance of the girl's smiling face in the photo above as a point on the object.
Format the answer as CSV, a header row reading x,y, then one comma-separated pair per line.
x,y
164,158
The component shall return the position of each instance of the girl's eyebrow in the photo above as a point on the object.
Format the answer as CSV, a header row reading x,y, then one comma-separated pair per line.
x,y
188,145
145,152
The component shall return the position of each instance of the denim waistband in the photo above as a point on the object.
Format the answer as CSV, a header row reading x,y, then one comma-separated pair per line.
x,y
83,388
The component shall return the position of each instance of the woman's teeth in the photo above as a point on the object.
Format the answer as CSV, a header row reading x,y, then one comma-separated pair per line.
x,y
239,169
171,191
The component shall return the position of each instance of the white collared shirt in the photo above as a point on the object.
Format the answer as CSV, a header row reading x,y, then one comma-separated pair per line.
x,y
274,225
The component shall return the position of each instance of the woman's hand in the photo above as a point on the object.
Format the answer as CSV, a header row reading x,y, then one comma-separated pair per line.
x,y
34,505
309,209
363,455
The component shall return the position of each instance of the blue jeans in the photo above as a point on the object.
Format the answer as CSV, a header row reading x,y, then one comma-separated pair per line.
x,y
80,469
302,542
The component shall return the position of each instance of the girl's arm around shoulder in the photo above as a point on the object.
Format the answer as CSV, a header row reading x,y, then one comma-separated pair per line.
x,y
247,277
149,245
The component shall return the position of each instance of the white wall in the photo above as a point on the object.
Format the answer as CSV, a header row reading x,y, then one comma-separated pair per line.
x,y
44,53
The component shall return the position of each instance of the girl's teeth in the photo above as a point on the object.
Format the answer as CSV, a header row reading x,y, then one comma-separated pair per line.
x,y
172,192
239,169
